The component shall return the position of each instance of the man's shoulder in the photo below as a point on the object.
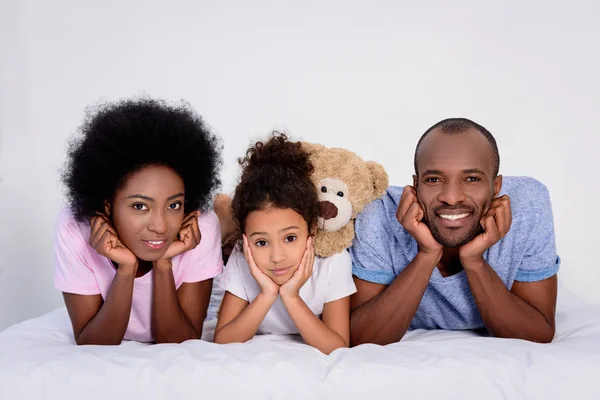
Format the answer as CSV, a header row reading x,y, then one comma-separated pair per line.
x,y
380,213
527,195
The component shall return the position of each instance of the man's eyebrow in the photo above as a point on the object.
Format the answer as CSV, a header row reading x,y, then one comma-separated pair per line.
x,y
433,172
473,171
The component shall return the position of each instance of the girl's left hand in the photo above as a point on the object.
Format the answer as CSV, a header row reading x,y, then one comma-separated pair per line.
x,y
292,287
187,239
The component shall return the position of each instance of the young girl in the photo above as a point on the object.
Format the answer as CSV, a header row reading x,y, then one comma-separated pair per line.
x,y
135,250
275,284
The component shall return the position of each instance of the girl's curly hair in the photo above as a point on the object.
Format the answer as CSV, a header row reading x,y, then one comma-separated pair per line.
x,y
275,173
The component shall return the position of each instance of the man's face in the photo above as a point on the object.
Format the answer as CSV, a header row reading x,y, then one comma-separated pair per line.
x,y
455,184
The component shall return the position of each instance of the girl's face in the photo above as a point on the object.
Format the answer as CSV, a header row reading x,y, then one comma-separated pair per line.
x,y
147,212
277,239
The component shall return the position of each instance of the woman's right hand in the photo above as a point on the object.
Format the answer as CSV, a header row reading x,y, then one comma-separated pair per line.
x,y
104,239
267,286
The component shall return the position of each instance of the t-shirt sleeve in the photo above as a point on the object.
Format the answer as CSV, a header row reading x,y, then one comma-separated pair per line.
x,y
72,271
540,260
205,261
371,258
341,283
232,279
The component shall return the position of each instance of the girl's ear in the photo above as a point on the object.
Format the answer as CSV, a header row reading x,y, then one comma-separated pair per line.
x,y
107,206
312,230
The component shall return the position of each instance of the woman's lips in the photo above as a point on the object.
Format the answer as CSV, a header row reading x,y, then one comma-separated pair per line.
x,y
155,244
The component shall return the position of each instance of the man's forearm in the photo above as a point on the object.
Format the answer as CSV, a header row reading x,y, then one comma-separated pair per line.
x,y
505,314
386,318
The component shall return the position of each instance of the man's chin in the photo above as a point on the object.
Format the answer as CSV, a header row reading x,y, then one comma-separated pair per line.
x,y
457,238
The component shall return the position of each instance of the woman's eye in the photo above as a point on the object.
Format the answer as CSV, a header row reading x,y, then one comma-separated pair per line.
x,y
291,238
175,206
140,207
260,243
341,194
323,189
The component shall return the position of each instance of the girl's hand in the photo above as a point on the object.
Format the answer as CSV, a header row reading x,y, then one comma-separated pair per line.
x,y
188,237
292,287
104,239
267,286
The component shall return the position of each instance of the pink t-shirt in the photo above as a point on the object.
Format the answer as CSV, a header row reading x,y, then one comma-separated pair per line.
x,y
80,269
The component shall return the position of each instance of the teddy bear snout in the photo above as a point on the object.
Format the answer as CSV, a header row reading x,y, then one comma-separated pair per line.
x,y
327,209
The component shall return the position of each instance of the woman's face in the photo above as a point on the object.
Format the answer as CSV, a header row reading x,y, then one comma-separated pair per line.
x,y
277,239
147,211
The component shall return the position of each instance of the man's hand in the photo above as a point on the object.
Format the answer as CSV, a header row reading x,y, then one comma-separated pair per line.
x,y
495,223
410,214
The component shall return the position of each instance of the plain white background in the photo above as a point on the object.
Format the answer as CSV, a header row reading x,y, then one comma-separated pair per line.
x,y
367,75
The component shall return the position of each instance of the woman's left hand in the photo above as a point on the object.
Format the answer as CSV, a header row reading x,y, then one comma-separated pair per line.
x,y
187,239
292,287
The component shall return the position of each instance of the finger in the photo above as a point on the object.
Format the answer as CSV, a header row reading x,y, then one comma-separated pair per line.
x,y
406,200
491,229
196,231
503,219
311,257
96,239
413,213
106,244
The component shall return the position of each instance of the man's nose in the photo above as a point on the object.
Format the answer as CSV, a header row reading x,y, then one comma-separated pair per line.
x,y
452,193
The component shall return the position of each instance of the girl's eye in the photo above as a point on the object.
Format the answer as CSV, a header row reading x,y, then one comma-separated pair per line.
x,y
323,189
175,206
260,243
291,238
140,207
341,194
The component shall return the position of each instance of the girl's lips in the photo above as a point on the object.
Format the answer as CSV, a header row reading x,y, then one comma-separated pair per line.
x,y
155,244
280,271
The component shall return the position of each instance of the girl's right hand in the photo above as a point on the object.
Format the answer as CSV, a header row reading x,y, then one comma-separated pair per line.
x,y
104,239
267,286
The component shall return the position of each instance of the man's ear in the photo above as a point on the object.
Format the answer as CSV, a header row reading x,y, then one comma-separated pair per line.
x,y
107,208
497,185
415,181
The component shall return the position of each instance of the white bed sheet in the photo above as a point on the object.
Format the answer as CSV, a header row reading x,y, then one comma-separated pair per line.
x,y
38,359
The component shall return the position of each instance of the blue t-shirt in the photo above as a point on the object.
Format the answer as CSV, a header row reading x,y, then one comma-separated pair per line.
x,y
382,248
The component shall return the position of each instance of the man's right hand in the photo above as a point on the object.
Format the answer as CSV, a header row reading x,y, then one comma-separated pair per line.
x,y
410,214
104,239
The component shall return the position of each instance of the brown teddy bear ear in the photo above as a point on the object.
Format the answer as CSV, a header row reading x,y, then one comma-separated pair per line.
x,y
380,178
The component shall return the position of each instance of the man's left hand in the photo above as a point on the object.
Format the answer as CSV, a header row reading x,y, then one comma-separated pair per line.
x,y
495,223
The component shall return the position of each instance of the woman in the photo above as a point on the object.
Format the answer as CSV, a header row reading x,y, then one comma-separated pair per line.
x,y
136,250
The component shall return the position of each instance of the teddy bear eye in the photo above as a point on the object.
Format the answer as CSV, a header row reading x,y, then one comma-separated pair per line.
x,y
323,189
341,194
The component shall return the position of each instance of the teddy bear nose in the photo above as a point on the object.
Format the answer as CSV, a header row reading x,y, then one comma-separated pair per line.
x,y
327,209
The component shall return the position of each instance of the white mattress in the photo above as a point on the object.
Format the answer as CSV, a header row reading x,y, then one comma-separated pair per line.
x,y
38,359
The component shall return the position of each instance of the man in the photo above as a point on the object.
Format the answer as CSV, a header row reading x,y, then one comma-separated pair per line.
x,y
462,248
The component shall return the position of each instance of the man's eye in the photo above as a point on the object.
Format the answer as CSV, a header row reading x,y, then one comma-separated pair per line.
x,y
291,238
473,179
140,207
175,206
260,243
432,180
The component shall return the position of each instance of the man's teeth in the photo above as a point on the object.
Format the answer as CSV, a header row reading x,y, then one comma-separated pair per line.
x,y
454,217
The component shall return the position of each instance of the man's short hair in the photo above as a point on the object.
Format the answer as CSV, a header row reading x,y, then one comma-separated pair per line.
x,y
452,126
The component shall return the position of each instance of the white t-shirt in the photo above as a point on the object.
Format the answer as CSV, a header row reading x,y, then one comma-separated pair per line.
x,y
331,280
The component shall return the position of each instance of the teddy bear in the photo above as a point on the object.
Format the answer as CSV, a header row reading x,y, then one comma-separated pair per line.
x,y
345,184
